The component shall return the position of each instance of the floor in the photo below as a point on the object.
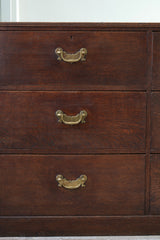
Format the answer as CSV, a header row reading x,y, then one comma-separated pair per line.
x,y
84,238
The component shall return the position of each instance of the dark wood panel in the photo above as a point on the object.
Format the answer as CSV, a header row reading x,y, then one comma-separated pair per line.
x,y
119,58
115,122
155,122
156,61
115,185
148,123
80,226
115,60
76,26
155,184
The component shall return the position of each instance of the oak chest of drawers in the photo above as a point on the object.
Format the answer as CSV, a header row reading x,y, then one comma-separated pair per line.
x,y
79,129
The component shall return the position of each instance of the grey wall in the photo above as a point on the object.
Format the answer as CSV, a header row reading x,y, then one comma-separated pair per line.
x,y
82,10
5,10
90,10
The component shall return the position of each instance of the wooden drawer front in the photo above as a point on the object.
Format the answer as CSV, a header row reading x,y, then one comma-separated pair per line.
x,y
155,184
115,185
155,122
115,122
115,60
156,61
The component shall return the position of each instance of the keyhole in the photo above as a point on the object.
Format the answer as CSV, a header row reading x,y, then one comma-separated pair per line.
x,y
71,37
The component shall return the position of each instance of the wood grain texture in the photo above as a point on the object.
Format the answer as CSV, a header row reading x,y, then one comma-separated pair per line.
x,y
155,122
76,26
155,184
115,122
113,146
156,61
148,121
80,226
115,60
115,185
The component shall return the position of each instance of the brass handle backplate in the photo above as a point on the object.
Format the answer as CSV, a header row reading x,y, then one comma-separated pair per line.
x,y
71,184
71,120
71,57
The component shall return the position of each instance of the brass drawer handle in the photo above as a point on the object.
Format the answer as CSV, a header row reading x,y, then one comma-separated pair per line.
x,y
71,120
71,57
71,184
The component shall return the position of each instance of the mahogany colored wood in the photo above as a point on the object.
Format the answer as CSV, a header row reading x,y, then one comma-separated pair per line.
x,y
148,122
115,185
155,122
115,60
78,26
115,122
80,226
155,184
116,86
156,61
